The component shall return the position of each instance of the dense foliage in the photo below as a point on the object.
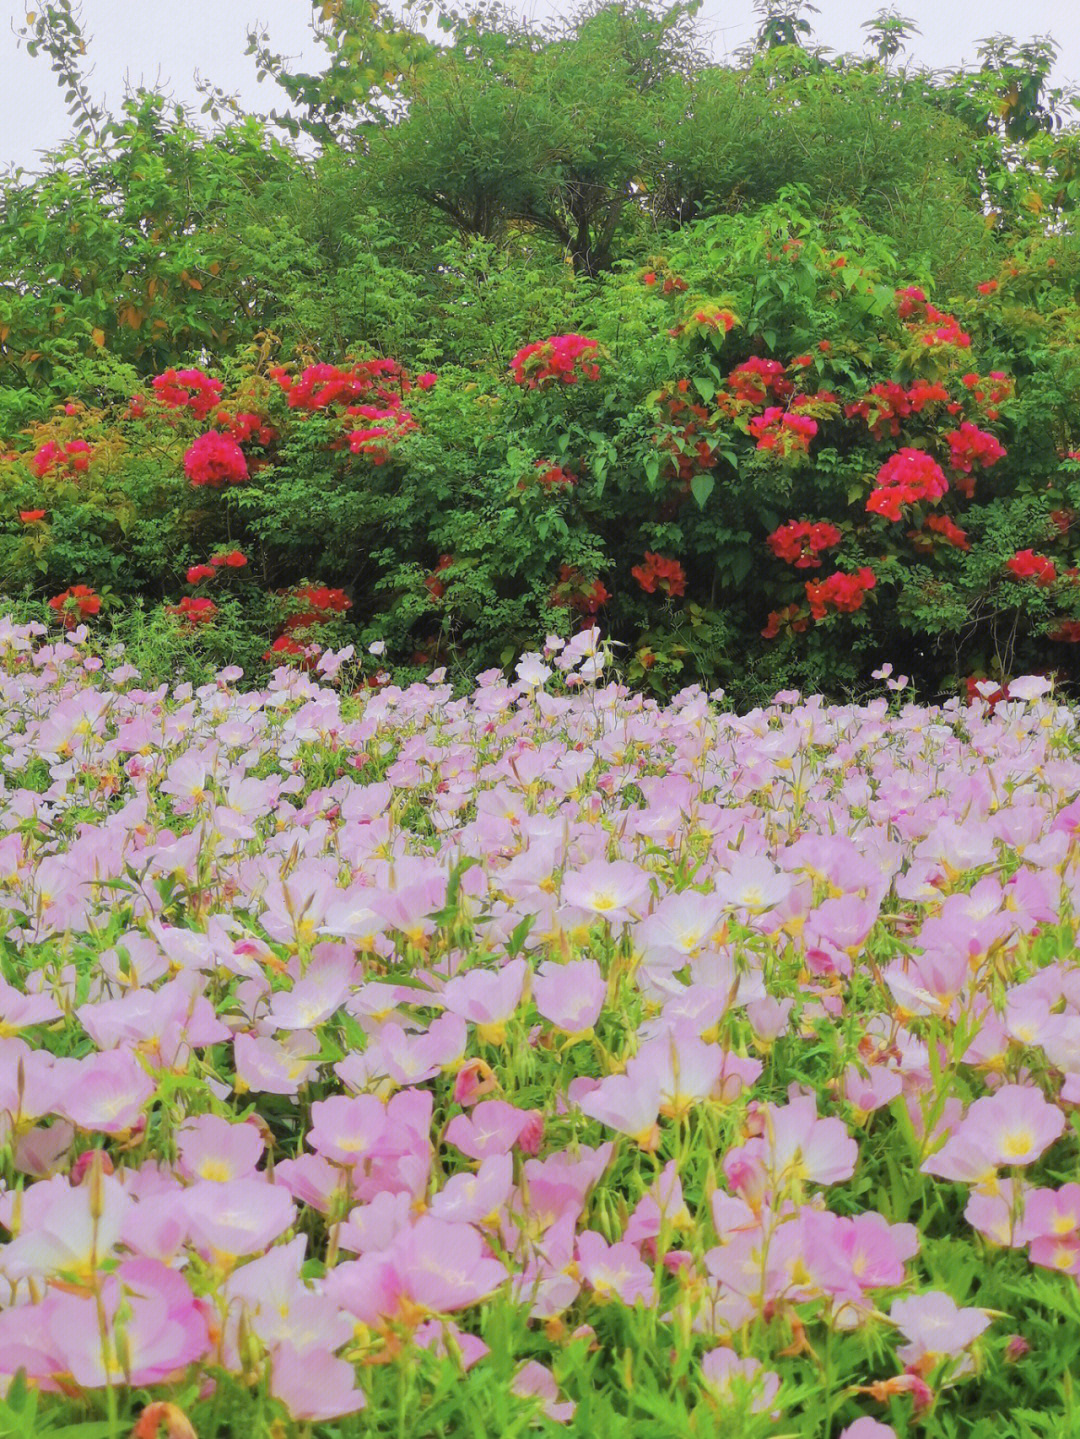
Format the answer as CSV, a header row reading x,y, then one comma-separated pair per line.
x,y
441,209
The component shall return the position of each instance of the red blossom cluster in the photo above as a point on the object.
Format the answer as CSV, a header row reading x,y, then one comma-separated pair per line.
x,y
376,440
991,392
686,439
318,604
184,389
801,543
707,317
246,426
755,379
194,611
1026,565
660,573
904,479
31,517
970,446
73,456
1066,631
779,429
844,593
320,386
76,603
887,403
792,618
573,589
234,560
215,459
559,360
434,586
554,477
930,325
946,530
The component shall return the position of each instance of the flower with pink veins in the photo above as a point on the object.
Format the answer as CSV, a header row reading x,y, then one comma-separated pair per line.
x,y
570,996
237,1217
209,1147
1015,1123
476,1198
629,1105
614,1270
60,1234
493,1127
487,998
163,1328
442,1267
105,1092
314,1385
726,1376
534,1381
613,890
935,1326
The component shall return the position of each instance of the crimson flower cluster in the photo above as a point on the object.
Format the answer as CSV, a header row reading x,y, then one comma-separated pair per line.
x,y
801,543
573,589
194,611
755,379
944,528
843,593
234,560
1026,565
969,446
188,390
660,573
904,479
558,360
781,430
435,587
76,603
215,459
74,456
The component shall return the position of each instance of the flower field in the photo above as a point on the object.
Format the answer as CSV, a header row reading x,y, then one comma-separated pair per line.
x,y
544,1059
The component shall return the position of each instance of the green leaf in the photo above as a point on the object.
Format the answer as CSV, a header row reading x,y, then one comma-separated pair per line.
x,y
701,487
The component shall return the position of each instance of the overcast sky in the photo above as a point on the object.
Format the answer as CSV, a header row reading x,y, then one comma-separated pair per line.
x,y
159,42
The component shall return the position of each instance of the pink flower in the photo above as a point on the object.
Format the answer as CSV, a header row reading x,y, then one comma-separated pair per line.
x,y
570,996
935,1326
612,890
313,1385
533,1380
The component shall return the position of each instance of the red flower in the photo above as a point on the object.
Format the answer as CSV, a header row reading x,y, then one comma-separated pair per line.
x,y
215,459
1068,632
573,589
235,560
987,287
755,379
649,277
434,586
560,359
320,604
1026,565
198,573
660,572
30,517
904,479
845,593
187,389
76,603
194,611
792,618
778,430
73,456
969,445
800,543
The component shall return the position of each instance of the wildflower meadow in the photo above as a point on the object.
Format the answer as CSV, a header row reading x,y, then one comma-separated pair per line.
x,y
540,1059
